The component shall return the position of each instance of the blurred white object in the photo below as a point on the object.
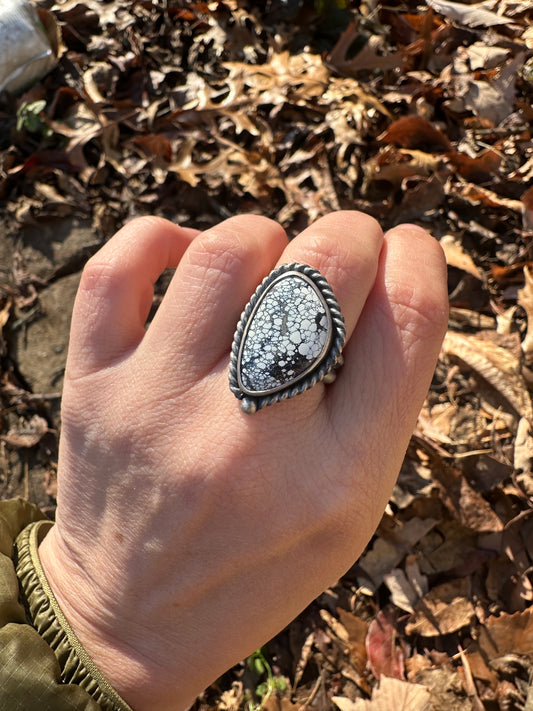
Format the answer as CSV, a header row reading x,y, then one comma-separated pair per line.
x,y
25,51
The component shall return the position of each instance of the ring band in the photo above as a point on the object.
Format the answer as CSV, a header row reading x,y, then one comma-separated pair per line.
x,y
290,337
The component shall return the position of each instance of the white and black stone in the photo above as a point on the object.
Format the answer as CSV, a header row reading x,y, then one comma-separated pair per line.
x,y
287,335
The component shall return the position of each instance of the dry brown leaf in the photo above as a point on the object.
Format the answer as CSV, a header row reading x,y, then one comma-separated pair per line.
x,y
407,587
471,509
457,257
471,15
154,144
305,654
184,166
372,56
403,595
394,164
508,634
505,321
418,581
50,482
390,694
446,548
274,703
231,699
479,667
420,196
525,300
487,100
527,37
5,312
296,78
386,554
355,98
523,447
496,365
472,319
512,8
53,31
340,120
356,631
106,12
509,273
478,169
334,625
527,199
91,82
482,196
445,609
415,664
345,704
482,56
489,96
435,425
415,132
445,687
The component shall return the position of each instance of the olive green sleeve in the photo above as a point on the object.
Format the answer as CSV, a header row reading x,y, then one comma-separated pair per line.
x,y
43,665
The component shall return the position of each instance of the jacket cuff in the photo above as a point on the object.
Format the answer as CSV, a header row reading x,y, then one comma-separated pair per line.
x,y
47,618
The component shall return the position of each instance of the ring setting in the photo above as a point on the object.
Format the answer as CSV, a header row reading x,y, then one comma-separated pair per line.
x,y
290,337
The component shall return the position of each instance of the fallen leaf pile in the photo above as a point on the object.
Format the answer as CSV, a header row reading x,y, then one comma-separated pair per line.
x,y
418,112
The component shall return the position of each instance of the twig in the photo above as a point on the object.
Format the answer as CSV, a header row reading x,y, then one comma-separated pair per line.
x,y
470,684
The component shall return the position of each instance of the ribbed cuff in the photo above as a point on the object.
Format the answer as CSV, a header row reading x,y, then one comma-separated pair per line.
x,y
48,619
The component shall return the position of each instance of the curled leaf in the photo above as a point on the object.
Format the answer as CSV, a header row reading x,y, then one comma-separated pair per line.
x,y
497,365
415,132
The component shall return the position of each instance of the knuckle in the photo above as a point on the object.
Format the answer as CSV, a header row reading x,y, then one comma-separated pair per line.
x,y
145,223
224,250
216,255
353,220
98,277
338,260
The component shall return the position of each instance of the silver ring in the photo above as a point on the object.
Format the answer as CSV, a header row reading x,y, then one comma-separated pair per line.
x,y
289,338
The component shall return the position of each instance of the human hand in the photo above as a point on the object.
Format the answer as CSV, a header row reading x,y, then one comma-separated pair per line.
x,y
189,533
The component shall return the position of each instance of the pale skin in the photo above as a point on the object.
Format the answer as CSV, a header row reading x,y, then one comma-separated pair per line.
x,y
189,533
